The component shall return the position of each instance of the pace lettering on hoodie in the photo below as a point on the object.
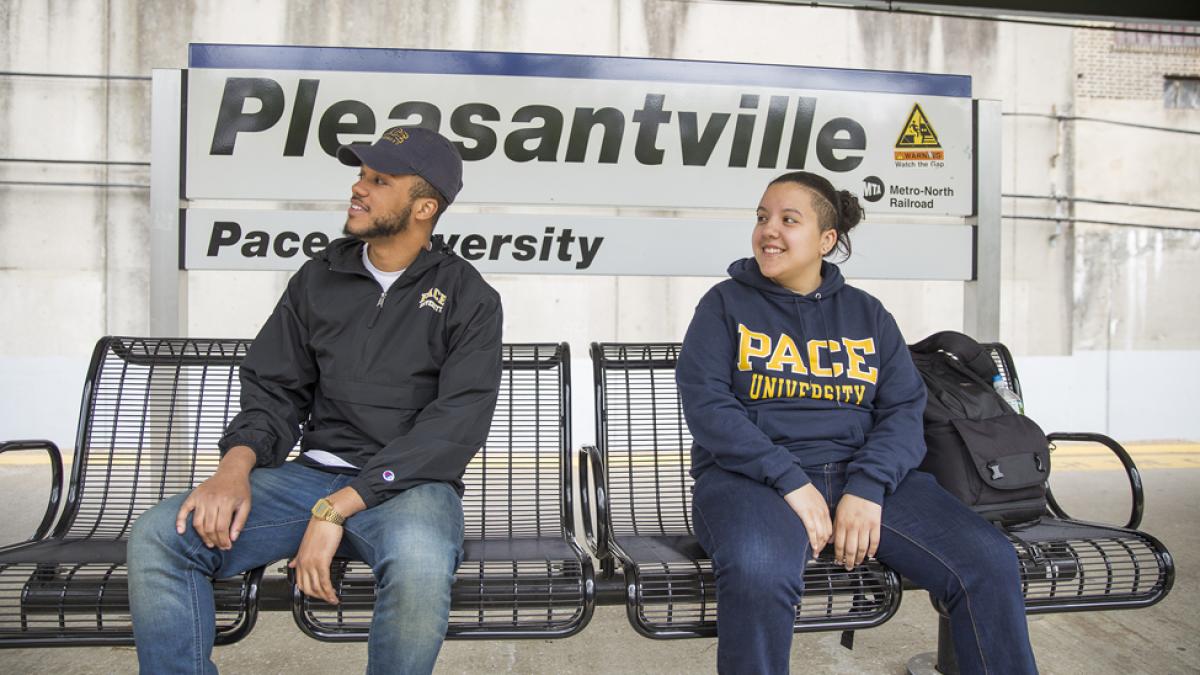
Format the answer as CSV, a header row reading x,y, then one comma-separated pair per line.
x,y
832,359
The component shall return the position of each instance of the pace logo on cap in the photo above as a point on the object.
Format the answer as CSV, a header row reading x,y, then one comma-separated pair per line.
x,y
389,476
396,135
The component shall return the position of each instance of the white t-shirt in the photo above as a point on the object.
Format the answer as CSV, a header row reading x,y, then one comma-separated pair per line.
x,y
385,280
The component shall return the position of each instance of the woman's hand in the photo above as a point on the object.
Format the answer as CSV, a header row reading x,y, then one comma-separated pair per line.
x,y
856,530
808,503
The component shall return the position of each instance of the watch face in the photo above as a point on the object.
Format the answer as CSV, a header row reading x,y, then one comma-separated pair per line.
x,y
324,510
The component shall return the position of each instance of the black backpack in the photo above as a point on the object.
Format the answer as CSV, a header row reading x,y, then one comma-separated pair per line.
x,y
980,450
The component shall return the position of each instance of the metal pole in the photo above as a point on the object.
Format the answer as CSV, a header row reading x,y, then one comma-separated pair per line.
x,y
168,283
981,296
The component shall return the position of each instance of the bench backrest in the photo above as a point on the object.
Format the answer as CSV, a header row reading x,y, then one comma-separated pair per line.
x,y
152,412
154,409
515,484
645,441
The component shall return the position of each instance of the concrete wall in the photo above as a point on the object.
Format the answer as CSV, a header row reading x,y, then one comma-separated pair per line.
x,y
73,260
1136,312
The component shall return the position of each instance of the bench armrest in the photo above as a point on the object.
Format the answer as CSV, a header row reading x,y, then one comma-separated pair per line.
x,y
595,531
56,477
1131,470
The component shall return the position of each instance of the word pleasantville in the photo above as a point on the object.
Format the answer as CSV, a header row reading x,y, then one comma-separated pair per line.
x,y
839,142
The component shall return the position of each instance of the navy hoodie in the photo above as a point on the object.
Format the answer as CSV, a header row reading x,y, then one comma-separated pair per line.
x,y
773,381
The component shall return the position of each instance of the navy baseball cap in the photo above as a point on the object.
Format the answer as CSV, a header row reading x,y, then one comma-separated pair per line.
x,y
407,151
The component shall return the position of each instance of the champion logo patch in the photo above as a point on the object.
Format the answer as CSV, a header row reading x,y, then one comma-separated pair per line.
x,y
389,476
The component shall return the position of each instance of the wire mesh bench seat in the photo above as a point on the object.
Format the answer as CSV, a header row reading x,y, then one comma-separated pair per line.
x,y
1072,565
643,507
1069,565
151,415
523,574
153,410
642,497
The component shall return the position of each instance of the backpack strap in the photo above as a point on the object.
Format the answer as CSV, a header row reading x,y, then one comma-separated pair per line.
x,y
964,348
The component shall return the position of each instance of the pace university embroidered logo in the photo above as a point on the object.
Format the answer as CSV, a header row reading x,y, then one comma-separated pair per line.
x,y
396,135
434,299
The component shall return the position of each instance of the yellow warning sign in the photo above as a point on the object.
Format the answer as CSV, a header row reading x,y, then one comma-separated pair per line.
x,y
918,132
918,139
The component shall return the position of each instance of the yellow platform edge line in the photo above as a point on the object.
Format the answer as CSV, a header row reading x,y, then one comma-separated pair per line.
x,y
1066,454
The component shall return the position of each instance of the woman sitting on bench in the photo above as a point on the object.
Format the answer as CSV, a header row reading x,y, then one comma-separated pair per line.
x,y
803,402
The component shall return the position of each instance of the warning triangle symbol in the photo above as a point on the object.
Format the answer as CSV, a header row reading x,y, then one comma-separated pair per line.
x,y
918,132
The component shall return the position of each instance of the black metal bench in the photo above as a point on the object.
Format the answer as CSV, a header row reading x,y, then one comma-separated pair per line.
x,y
643,501
1069,565
1072,565
523,575
152,412
642,522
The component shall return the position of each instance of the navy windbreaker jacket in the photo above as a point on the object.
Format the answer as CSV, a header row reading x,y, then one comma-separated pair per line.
x,y
773,381
401,384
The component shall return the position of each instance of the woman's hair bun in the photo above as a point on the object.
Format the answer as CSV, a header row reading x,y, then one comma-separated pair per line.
x,y
850,212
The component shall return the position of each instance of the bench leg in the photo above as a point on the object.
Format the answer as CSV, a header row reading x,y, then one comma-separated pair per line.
x,y
943,661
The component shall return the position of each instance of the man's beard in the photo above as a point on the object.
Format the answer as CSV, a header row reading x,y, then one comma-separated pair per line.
x,y
382,228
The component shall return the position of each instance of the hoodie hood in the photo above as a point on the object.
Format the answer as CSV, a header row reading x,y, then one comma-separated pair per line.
x,y
746,271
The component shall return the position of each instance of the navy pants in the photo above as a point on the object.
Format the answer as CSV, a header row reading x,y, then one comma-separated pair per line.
x,y
759,548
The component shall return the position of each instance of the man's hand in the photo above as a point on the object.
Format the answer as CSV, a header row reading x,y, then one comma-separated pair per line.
x,y
221,504
312,561
808,503
856,530
318,546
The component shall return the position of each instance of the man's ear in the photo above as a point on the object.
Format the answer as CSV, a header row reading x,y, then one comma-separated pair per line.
x,y
426,208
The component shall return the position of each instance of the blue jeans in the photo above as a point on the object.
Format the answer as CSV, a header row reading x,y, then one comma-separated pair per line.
x,y
759,548
413,543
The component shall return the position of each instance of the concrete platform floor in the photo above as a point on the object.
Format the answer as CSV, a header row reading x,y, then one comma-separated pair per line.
x,y
1161,639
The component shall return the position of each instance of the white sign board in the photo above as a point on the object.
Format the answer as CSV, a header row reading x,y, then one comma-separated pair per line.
x,y
262,124
581,130
253,239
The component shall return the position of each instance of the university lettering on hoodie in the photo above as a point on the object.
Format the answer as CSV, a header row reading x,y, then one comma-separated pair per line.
x,y
830,362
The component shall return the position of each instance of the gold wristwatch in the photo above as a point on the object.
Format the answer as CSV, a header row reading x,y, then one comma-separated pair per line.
x,y
323,510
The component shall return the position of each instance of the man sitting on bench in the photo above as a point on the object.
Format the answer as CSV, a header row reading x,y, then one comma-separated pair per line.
x,y
387,352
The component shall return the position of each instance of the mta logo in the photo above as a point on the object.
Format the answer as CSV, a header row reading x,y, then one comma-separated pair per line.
x,y
434,299
872,188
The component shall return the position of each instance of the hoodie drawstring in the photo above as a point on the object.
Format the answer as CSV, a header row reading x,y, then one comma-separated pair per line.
x,y
803,333
825,331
